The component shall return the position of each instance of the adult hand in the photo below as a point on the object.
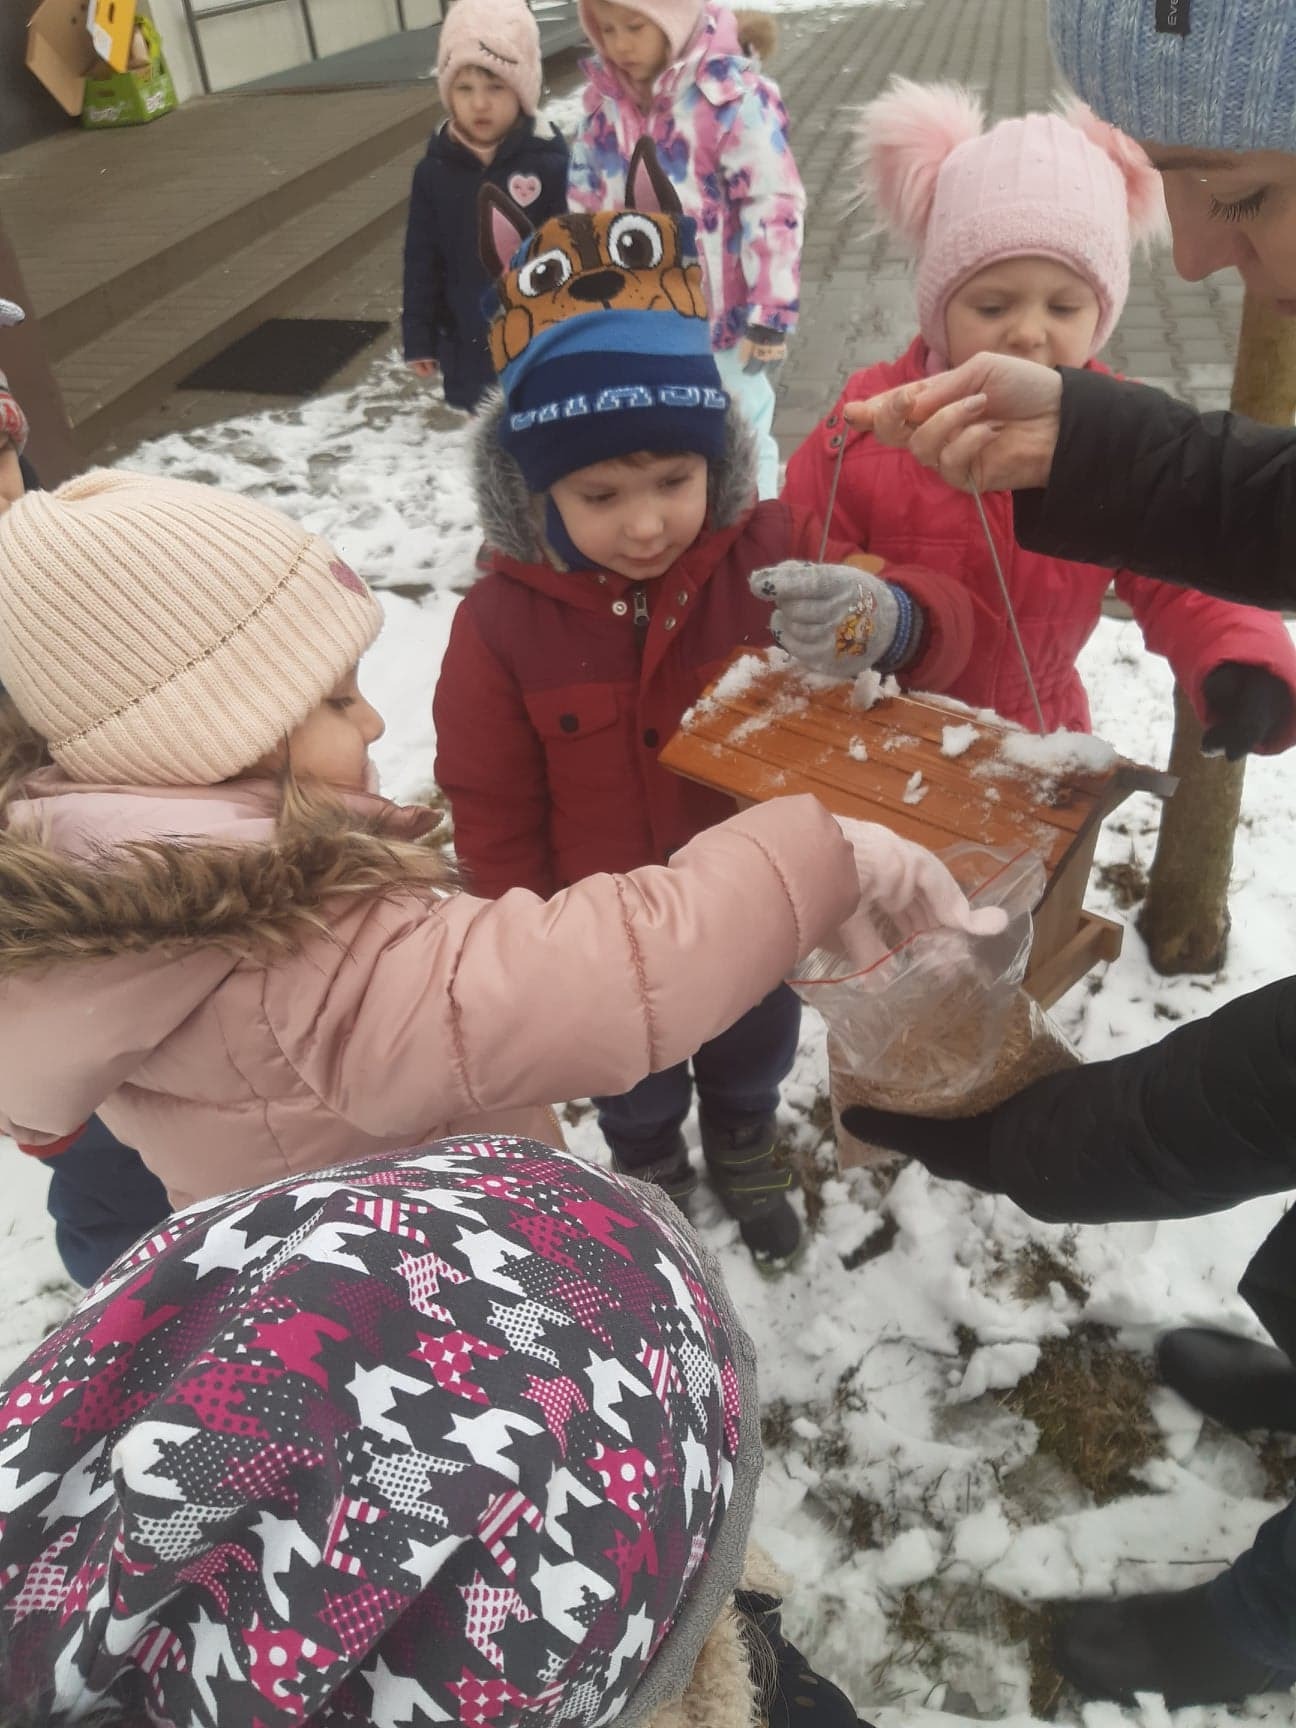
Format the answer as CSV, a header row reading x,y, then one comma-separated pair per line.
x,y
911,886
833,618
989,425
958,1150
1248,707
422,368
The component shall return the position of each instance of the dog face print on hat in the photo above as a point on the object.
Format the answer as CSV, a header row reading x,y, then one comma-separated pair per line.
x,y
641,259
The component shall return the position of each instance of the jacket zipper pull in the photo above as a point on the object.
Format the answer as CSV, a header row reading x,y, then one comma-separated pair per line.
x,y
640,601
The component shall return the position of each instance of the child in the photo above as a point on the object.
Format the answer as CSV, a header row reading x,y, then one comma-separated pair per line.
x,y
467,1434
216,934
488,67
615,491
101,1197
673,71
1022,238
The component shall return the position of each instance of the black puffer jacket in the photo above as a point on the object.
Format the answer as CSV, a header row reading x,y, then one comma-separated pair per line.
x,y
1198,1122
1141,481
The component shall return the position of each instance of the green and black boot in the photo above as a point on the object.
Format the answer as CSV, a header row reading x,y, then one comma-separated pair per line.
x,y
753,1185
672,1173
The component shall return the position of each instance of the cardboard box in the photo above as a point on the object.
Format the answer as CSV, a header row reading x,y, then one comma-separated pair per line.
x,y
61,54
59,51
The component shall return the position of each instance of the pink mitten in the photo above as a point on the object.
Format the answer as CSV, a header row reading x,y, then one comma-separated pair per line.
x,y
904,889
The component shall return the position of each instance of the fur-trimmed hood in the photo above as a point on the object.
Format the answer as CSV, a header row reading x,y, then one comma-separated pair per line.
x,y
123,911
511,516
88,872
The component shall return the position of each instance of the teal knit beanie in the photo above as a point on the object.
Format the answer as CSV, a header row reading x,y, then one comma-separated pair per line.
x,y
1219,74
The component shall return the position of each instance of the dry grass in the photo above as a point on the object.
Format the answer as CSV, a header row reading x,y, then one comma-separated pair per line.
x,y
1033,1627
1037,1268
1088,1401
1277,1456
1127,883
915,1637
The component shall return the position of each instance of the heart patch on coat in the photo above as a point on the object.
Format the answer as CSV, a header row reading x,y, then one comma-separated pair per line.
x,y
524,189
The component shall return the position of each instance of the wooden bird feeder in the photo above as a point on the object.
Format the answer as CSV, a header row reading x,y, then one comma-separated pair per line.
x,y
932,771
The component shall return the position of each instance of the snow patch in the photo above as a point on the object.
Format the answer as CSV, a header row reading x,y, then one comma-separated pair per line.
x,y
958,740
1058,754
871,688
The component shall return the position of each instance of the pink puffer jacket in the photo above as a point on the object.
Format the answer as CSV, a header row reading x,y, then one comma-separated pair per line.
x,y
232,1042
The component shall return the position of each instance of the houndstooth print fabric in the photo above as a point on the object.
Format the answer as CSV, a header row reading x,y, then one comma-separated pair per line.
x,y
464,1435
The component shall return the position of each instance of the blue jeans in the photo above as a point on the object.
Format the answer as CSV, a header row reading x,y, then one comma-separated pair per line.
x,y
102,1200
738,1076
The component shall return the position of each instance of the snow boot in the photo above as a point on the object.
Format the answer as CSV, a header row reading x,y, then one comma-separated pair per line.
x,y
753,1187
672,1173
1235,1381
1174,1643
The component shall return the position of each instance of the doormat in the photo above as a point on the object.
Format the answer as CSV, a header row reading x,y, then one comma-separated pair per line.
x,y
286,356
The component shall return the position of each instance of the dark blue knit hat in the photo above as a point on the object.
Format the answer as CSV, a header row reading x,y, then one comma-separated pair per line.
x,y
600,333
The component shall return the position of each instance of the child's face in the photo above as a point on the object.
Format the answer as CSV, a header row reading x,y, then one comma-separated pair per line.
x,y
484,108
332,742
634,44
11,480
1033,308
635,518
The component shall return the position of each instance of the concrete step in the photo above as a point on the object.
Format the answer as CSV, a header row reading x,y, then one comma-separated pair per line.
x,y
133,222
122,372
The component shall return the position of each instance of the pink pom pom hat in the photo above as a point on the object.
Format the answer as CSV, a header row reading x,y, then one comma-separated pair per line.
x,y
1064,186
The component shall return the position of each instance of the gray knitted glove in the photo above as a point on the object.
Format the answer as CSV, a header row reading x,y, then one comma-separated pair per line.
x,y
834,618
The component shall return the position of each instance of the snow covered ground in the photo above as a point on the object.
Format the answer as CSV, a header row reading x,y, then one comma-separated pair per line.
x,y
904,1494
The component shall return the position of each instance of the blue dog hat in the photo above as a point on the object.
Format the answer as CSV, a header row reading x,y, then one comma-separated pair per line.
x,y
600,333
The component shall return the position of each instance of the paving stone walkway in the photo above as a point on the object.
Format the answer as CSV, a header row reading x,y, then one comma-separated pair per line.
x,y
857,298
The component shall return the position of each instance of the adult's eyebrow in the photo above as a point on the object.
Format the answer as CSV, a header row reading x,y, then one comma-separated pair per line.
x,y
1165,161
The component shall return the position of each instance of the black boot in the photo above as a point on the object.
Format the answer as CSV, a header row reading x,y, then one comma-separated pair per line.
x,y
672,1173
1173,1643
1235,1381
753,1188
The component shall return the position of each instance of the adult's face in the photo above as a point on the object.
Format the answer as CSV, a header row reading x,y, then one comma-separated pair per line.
x,y
1233,209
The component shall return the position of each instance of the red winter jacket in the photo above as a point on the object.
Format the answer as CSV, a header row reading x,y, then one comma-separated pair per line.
x,y
904,513
553,703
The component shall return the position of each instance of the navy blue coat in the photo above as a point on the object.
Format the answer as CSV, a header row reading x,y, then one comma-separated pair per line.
x,y
444,277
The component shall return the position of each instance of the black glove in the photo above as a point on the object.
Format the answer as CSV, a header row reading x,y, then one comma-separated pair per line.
x,y
959,1150
1247,706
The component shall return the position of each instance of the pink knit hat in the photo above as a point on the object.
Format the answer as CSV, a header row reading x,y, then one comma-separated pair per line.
x,y
156,633
1064,186
499,35
676,19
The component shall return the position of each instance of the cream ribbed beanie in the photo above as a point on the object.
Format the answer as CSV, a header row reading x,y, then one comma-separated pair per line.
x,y
157,632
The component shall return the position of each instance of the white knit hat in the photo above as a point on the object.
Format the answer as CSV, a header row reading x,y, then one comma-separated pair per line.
x,y
157,632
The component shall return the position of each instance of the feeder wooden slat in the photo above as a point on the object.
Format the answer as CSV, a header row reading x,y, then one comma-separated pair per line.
x,y
809,743
777,732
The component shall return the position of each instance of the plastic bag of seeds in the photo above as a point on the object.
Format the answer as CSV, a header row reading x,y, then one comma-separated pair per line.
x,y
941,1025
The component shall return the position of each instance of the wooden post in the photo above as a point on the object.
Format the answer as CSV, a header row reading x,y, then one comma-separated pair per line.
x,y
1185,919
24,360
